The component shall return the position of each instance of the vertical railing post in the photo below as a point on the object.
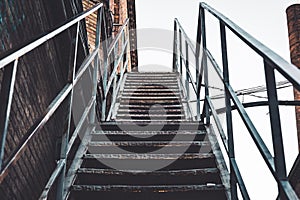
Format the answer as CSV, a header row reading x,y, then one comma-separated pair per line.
x,y
233,182
6,96
187,76
198,68
175,48
204,63
180,52
279,158
105,70
96,65
65,137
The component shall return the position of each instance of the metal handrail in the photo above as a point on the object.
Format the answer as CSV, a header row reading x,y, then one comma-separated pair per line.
x,y
272,62
289,71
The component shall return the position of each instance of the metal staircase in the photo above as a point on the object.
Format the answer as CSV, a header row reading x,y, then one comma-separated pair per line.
x,y
151,97
132,135
150,153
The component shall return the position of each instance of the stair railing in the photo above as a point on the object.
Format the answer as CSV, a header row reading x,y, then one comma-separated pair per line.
x,y
116,56
107,52
205,64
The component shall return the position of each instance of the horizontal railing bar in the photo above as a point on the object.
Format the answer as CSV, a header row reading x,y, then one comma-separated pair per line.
x,y
288,70
122,29
57,30
192,47
52,179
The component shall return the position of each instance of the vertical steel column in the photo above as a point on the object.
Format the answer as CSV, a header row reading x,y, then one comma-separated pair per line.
x,y
175,49
180,52
187,76
6,96
65,137
279,158
204,63
233,181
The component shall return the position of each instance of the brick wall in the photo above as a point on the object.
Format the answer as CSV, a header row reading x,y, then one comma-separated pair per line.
x,y
41,75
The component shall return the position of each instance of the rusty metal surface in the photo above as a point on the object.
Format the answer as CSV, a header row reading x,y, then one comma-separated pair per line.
x,y
293,22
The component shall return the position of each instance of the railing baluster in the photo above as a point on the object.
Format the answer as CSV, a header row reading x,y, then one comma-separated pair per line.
x,y
105,70
6,96
187,76
199,68
96,64
279,158
180,52
65,137
233,181
175,48
204,65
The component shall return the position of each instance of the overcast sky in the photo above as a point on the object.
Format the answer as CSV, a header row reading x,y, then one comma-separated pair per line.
x,y
263,19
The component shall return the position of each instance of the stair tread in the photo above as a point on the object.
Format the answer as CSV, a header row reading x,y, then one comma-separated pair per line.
x,y
151,98
152,188
186,172
147,156
148,143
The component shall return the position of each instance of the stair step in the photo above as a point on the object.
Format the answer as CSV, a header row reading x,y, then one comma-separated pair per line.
x,y
169,192
150,94
148,188
146,121
94,176
145,90
150,101
152,111
140,136
154,147
159,128
156,75
131,115
167,98
150,86
149,161
147,107
152,79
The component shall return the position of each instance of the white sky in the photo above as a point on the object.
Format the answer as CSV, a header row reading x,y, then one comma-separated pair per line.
x,y
263,19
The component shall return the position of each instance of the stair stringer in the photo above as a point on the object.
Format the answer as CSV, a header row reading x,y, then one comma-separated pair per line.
x,y
221,163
